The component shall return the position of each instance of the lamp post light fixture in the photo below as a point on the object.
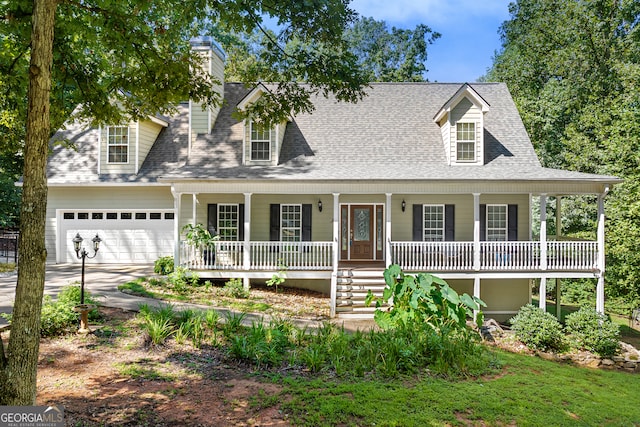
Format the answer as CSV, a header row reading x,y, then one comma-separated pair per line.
x,y
82,254
320,205
403,205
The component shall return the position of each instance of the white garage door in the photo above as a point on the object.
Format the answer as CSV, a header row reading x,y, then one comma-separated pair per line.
x,y
128,236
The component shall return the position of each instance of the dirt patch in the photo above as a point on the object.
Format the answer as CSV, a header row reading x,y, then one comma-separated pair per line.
x,y
111,378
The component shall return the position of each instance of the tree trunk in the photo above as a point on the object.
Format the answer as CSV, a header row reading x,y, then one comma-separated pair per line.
x,y
19,369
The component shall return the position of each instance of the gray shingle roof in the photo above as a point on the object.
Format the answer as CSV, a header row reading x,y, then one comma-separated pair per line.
x,y
389,135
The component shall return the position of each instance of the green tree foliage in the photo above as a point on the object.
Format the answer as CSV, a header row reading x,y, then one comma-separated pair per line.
x,y
383,55
10,171
398,55
107,61
573,69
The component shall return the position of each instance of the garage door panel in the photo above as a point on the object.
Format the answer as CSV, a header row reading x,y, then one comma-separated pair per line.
x,y
123,241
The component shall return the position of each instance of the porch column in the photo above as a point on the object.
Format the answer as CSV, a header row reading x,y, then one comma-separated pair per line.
x,y
387,230
194,201
176,227
543,231
336,252
558,234
543,251
246,250
476,293
601,257
476,231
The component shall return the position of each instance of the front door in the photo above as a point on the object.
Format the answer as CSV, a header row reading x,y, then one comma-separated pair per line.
x,y
361,232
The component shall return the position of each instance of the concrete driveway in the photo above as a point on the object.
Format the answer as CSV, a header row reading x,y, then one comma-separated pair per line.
x,y
101,280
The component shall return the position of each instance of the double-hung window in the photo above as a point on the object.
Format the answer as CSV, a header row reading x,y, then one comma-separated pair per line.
x,y
260,141
497,223
228,222
291,223
465,142
433,223
117,144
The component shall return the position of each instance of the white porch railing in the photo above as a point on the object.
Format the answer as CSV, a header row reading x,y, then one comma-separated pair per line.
x,y
263,256
291,255
435,256
496,256
218,256
411,256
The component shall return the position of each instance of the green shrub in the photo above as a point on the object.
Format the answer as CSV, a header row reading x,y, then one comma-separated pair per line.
x,y
58,317
181,282
163,265
234,288
590,330
537,329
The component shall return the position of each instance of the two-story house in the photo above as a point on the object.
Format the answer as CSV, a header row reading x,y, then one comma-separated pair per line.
x,y
435,177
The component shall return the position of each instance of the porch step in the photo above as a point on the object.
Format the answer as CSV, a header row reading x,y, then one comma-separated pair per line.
x,y
352,290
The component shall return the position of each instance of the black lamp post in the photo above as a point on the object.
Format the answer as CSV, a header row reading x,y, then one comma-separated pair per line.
x,y
82,253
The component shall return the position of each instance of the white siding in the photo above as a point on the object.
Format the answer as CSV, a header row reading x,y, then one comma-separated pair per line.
x,y
74,198
118,168
467,112
148,132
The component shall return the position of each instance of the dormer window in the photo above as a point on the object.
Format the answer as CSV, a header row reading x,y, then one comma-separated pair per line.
x,y
117,144
465,142
260,141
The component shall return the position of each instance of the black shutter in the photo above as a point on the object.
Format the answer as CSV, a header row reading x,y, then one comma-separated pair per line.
x,y
241,222
483,222
212,218
306,223
418,232
449,223
512,227
274,221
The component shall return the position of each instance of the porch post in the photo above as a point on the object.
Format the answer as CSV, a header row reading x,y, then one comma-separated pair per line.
x,y
194,202
601,257
543,231
543,294
476,231
176,226
246,250
476,293
336,252
543,251
558,234
387,230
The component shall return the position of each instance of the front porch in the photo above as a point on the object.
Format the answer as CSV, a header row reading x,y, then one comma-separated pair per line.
x,y
569,258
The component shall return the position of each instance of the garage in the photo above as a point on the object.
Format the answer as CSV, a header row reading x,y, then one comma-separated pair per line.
x,y
128,236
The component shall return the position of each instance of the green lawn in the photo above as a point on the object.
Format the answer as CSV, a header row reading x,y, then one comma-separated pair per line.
x,y
529,392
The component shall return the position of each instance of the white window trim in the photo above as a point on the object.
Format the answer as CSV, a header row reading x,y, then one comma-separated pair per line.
x,y
475,142
237,228
444,219
251,141
109,145
283,228
506,222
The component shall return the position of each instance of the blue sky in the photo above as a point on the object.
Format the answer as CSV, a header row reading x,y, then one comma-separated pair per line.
x,y
469,31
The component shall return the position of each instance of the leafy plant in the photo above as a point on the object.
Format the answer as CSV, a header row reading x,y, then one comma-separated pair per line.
x,y
163,265
181,281
538,329
279,277
58,316
590,330
235,288
423,298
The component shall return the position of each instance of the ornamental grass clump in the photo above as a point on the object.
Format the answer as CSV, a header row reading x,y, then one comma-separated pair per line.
x,y
593,331
538,329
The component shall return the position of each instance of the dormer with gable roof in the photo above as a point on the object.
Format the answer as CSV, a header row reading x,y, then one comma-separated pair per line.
x,y
262,143
123,148
461,121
